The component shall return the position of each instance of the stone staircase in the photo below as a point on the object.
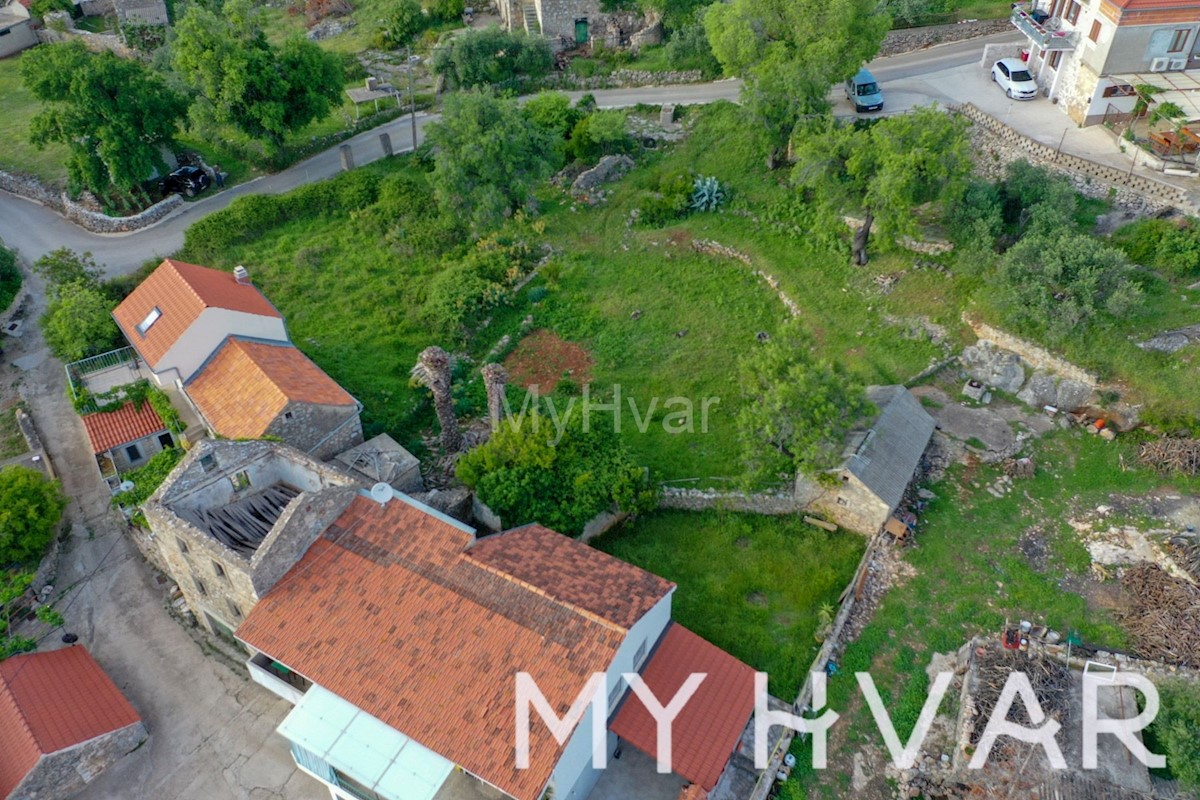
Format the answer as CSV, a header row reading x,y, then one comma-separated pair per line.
x,y
532,26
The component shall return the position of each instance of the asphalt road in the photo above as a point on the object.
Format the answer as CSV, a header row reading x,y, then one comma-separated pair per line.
x,y
34,230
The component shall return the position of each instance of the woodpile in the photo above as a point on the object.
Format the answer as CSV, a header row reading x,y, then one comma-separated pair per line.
x,y
1172,455
1051,681
1162,615
1187,555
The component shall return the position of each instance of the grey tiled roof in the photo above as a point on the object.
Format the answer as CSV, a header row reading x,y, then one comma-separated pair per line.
x,y
891,450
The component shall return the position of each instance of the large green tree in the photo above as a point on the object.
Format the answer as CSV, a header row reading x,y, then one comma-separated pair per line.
x,y
78,322
113,114
789,52
885,170
263,90
1058,282
30,507
798,407
487,157
492,57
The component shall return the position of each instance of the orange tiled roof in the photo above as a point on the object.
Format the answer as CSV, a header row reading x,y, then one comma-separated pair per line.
x,y
387,611
706,732
1154,5
182,291
572,572
109,429
51,701
248,384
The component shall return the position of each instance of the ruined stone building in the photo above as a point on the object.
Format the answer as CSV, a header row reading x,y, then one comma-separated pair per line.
x,y
1090,54
570,23
233,517
880,461
62,723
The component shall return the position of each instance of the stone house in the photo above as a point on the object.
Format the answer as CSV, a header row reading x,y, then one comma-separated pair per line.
x,y
880,461
1088,55
125,439
62,723
570,23
250,390
400,629
233,517
213,336
16,29
182,313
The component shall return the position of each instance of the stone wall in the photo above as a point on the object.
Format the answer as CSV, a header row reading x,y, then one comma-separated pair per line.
x,y
321,431
853,506
771,503
65,773
1037,357
907,40
1004,145
623,78
87,219
96,42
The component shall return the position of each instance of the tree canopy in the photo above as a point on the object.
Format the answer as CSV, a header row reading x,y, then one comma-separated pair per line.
x,y
78,319
262,90
492,57
798,407
790,52
113,114
30,507
1058,282
525,476
886,169
487,157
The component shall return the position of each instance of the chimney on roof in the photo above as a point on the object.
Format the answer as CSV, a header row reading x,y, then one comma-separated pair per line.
x,y
241,274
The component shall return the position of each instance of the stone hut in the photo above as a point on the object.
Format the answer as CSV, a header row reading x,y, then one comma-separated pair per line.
x,y
880,461
233,517
62,723
383,459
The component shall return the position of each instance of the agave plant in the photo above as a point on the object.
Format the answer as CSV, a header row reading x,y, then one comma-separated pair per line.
x,y
707,194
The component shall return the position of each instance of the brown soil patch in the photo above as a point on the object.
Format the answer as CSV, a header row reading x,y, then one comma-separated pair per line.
x,y
757,599
542,359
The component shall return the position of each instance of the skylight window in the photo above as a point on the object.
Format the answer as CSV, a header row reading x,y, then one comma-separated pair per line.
x,y
150,319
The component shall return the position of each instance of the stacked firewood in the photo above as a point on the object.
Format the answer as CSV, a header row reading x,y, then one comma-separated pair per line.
x,y
1187,555
1162,615
1172,455
1051,681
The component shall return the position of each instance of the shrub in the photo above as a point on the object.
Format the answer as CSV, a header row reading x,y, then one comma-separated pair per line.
x,y
147,478
462,295
668,201
31,506
527,473
446,10
10,276
1164,245
78,322
552,112
492,57
1177,730
402,21
707,194
688,48
599,134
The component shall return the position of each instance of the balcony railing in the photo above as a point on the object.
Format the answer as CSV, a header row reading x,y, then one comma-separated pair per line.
x,y
1040,35
104,372
280,680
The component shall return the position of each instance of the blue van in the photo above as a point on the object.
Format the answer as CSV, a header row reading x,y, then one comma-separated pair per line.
x,y
863,91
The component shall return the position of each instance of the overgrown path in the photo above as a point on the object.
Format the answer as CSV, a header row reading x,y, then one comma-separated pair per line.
x,y
34,230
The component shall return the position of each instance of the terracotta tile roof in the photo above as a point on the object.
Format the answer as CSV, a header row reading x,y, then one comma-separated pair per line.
x,y
109,429
387,612
51,701
692,792
248,384
182,292
706,732
574,573
1155,5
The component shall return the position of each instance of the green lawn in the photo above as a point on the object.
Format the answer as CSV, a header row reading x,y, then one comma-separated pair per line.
x,y
762,603
17,108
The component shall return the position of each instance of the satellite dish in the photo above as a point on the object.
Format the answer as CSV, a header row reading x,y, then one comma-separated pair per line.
x,y
381,493
126,486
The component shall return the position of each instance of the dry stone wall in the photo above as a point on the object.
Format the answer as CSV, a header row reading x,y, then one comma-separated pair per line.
x,y
1004,145
94,221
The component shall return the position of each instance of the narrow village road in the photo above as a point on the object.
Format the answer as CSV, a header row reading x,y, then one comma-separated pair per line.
x,y
35,230
212,731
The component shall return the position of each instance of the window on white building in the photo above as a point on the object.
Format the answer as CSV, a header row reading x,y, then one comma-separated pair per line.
x,y
1179,40
1094,33
1073,12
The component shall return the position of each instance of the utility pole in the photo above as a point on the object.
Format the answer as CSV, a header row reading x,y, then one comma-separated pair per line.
x,y
412,100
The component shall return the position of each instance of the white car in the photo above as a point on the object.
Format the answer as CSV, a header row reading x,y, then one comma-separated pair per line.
x,y
1013,76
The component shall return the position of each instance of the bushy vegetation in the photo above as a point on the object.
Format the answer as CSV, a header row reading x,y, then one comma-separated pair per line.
x,y
560,475
1170,246
462,295
10,276
492,57
1177,730
147,478
78,319
31,506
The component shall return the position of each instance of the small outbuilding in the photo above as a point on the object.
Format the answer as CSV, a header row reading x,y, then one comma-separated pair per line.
x,y
62,723
126,438
16,31
880,461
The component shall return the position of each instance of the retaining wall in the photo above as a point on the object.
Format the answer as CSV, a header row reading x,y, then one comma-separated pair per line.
x,y
94,221
1035,356
1093,179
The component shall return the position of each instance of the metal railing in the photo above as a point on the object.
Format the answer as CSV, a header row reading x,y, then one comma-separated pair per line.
x,y
77,371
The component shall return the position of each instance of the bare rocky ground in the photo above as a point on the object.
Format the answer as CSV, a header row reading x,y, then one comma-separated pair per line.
x,y
211,729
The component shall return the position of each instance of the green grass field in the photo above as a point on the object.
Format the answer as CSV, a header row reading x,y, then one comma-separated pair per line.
x,y
762,604
17,109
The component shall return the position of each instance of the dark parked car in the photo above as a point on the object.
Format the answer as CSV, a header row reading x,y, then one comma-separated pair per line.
x,y
188,181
